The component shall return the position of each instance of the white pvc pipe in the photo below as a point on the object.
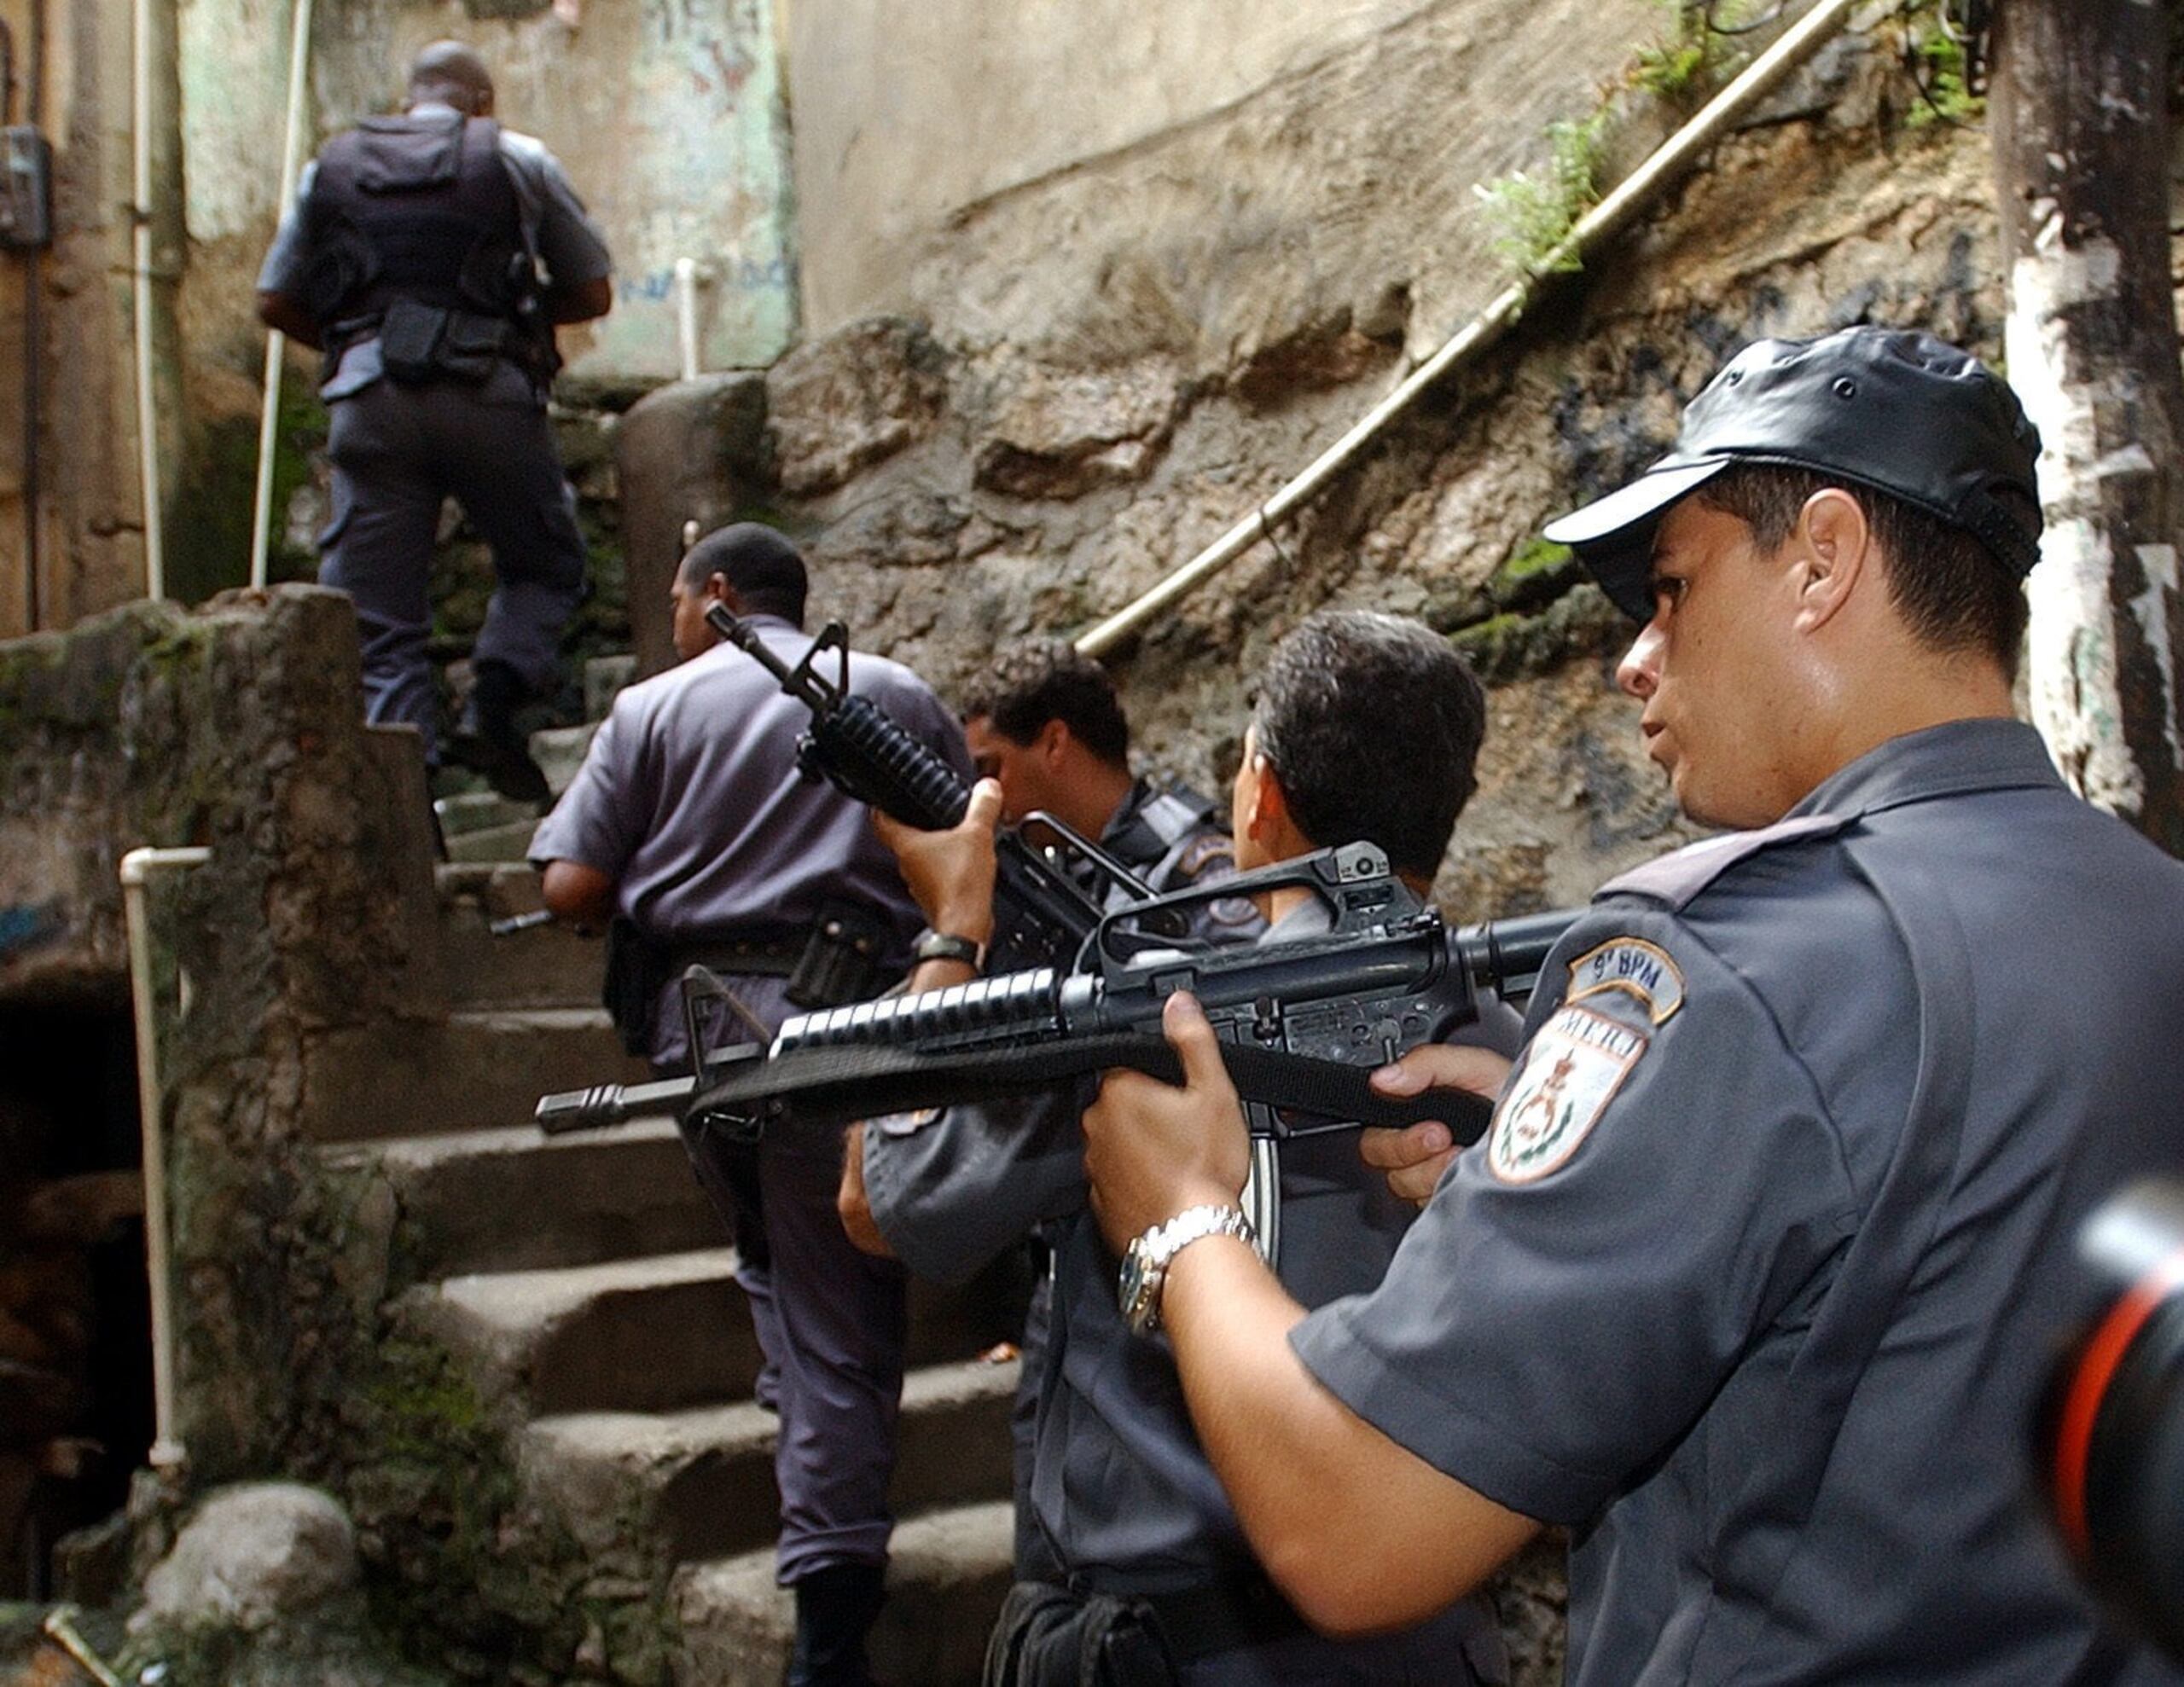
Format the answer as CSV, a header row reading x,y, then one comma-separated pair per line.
x,y
1758,79
148,419
686,314
276,343
137,868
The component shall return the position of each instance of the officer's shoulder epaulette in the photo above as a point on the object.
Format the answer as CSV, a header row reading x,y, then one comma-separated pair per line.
x,y
1675,878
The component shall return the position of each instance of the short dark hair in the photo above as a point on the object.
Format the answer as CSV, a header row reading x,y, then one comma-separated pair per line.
x,y
1371,723
766,571
1951,590
453,73
1024,687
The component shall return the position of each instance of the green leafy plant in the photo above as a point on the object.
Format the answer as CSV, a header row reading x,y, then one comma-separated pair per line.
x,y
1531,214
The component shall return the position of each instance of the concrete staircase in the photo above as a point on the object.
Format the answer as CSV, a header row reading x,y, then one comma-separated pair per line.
x,y
583,1288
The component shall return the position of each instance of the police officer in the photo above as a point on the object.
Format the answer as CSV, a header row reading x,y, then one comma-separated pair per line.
x,y
429,257
690,820
1753,1280
1145,1576
1044,723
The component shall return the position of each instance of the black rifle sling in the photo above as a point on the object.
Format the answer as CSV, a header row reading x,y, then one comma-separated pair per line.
x,y
835,1085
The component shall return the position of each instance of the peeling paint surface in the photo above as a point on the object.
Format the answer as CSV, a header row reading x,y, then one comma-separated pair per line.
x,y
668,114
2152,609
2071,645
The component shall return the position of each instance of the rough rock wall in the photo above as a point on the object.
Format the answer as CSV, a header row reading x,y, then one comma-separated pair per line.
x,y
1108,182
958,495
235,728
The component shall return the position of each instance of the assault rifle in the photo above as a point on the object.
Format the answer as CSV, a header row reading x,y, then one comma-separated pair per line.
x,y
1041,913
1303,1024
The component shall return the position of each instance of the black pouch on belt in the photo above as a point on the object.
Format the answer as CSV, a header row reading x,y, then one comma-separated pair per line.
x,y
410,335
637,971
1048,1637
841,960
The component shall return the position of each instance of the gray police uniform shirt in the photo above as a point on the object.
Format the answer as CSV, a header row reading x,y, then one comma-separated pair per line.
x,y
690,799
1715,1293
1122,1490
569,245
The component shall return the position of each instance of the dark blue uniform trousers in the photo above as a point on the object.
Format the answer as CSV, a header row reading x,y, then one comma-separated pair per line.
x,y
397,453
831,1322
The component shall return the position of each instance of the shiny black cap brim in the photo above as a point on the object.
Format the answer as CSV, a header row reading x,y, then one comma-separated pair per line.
x,y
1613,536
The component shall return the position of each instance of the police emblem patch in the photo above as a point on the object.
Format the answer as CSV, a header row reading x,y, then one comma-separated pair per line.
x,y
1633,967
1572,1069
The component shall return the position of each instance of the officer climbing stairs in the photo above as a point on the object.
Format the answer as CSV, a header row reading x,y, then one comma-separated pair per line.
x,y
583,1289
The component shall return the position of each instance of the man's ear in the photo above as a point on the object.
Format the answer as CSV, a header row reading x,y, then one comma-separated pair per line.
x,y
1053,741
1266,804
1833,551
717,590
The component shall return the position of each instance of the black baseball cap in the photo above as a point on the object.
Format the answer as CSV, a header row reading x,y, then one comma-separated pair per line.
x,y
1898,411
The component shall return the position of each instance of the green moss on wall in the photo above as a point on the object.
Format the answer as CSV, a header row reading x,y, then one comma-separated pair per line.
x,y
208,525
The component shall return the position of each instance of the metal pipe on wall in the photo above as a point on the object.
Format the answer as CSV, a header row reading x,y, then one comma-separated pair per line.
x,y
1759,78
147,416
138,867
276,343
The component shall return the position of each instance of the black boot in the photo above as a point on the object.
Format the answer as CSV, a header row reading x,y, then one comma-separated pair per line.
x,y
834,1609
488,742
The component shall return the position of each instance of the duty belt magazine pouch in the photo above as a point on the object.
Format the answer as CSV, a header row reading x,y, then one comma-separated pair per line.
x,y
840,963
1049,1637
419,343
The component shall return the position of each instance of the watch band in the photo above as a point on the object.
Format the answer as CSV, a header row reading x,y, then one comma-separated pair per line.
x,y
1146,1261
932,945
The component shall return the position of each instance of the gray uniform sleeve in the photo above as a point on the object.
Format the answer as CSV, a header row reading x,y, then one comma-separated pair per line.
x,y
950,1194
570,243
282,272
599,821
1662,1180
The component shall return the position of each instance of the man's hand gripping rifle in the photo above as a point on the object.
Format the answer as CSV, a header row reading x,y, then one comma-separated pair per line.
x,y
1041,913
1303,1024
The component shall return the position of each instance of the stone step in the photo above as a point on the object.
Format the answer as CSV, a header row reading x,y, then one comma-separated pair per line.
x,y
559,751
701,1481
656,1334
645,1335
473,811
948,1572
508,843
514,1200
539,966
603,676
476,1069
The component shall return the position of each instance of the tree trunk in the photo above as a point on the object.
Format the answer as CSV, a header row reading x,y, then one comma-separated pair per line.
x,y
2079,121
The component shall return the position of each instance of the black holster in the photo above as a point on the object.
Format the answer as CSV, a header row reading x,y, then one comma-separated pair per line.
x,y
1049,1637
637,971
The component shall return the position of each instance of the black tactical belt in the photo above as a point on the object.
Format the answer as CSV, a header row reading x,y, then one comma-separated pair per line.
x,y
1223,1616
751,957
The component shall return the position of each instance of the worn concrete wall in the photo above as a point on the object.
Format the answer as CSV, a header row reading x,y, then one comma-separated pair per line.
x,y
668,113
90,521
1105,181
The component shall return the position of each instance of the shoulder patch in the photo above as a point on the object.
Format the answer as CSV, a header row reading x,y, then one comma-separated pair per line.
x,y
1572,1069
1633,967
1204,853
1675,878
1232,911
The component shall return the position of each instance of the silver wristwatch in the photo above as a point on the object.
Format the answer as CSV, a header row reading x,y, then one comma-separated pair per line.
x,y
1146,1261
